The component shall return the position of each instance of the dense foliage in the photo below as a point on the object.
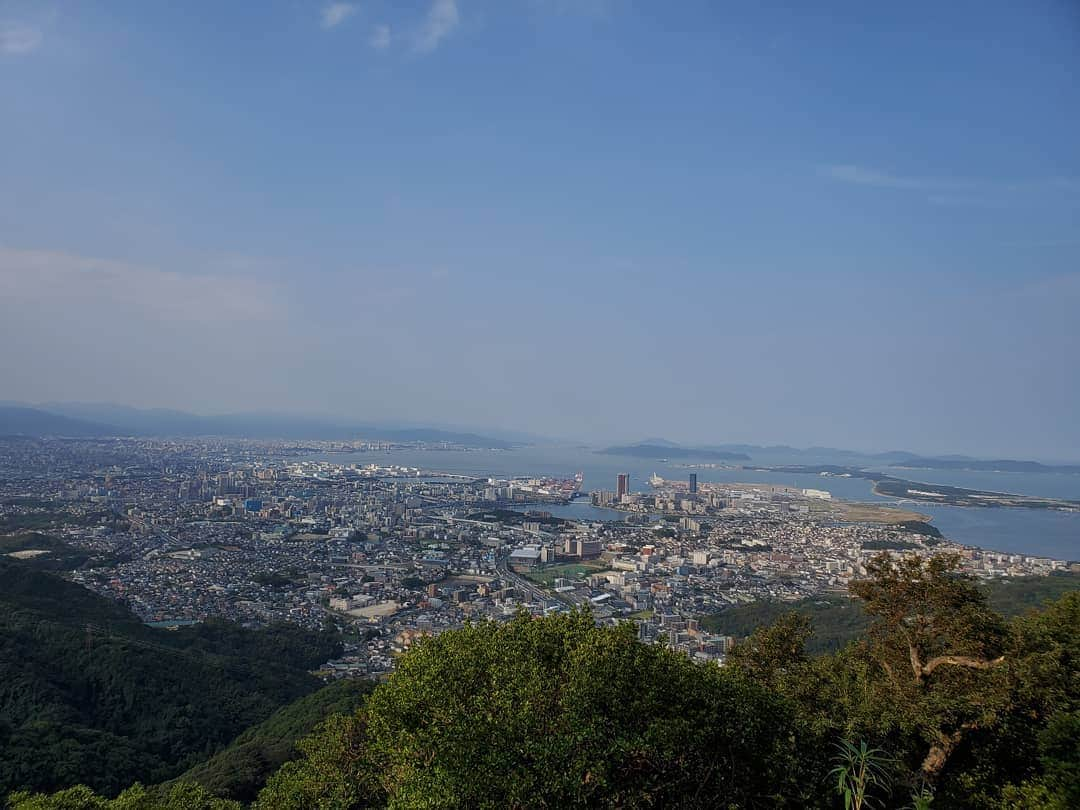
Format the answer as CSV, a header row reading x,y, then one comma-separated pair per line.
x,y
1015,596
837,620
550,713
239,771
181,797
89,694
967,708
963,701
58,556
941,702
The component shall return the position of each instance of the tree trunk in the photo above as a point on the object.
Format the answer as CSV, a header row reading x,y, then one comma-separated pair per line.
x,y
939,752
935,760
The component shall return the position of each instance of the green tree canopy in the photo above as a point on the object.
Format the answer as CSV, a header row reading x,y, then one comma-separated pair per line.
x,y
956,705
936,641
554,712
179,797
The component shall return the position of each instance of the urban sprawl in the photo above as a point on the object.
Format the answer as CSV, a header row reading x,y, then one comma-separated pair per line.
x,y
255,532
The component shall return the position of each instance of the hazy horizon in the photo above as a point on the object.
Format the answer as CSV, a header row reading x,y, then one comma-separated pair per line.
x,y
514,435
595,221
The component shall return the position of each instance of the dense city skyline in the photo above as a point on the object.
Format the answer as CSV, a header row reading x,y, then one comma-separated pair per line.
x,y
596,220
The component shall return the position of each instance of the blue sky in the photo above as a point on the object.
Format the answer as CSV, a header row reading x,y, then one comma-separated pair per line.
x,y
856,224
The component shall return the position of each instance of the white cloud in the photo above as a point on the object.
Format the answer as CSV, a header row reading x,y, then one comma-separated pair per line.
x,y
442,18
862,176
967,200
335,14
381,37
1060,185
950,191
80,327
17,38
53,281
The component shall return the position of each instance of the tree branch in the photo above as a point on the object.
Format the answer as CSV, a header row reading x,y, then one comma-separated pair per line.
x,y
939,752
960,661
916,664
889,671
913,653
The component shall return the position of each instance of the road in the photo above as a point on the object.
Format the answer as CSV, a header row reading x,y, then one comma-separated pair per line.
x,y
530,589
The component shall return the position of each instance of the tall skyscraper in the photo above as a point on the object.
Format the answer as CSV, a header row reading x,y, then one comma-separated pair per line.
x,y
622,485
693,483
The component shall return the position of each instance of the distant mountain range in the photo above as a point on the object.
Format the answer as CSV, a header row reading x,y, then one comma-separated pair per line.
x,y
668,450
19,421
92,419
976,465
84,420
888,456
745,452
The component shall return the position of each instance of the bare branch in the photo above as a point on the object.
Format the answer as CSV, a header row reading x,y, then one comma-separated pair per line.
x,y
916,664
913,653
960,661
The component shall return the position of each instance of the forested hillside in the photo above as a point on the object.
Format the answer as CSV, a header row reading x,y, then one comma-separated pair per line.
x,y
89,694
239,771
941,701
838,619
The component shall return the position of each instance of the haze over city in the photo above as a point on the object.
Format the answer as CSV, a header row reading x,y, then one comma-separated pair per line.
x,y
539,404
597,220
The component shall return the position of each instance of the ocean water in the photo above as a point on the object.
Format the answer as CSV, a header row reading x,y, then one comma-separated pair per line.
x,y
1021,531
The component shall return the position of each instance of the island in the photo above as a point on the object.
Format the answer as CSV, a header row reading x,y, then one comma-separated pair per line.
x,y
664,451
958,496
977,465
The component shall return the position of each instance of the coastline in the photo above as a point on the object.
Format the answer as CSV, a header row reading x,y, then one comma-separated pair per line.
x,y
920,492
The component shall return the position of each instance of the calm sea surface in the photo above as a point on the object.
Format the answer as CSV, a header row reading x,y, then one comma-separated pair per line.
x,y
1023,531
